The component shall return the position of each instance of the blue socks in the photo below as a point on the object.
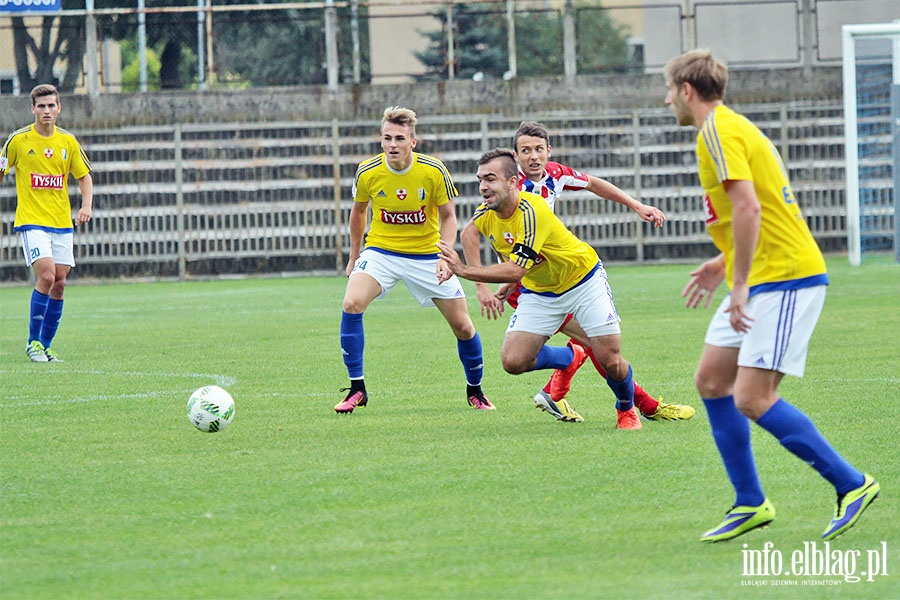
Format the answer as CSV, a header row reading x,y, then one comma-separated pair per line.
x,y
353,340
624,391
795,431
731,432
553,357
39,303
472,358
799,435
51,321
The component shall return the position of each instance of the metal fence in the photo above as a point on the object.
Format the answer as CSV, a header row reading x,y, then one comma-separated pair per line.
x,y
115,46
191,200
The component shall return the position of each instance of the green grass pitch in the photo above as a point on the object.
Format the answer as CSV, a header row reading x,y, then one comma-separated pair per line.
x,y
106,490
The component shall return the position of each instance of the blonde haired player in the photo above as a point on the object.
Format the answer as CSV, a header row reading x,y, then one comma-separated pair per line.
x,y
761,330
411,196
43,156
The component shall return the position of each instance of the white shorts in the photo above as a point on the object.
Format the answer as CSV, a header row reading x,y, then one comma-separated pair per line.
x,y
778,339
419,275
591,303
37,243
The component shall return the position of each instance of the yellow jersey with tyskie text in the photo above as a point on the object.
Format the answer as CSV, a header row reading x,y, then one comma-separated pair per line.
x,y
730,147
405,204
42,166
535,239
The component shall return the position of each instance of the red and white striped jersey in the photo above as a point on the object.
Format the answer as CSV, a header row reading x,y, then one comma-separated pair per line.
x,y
556,178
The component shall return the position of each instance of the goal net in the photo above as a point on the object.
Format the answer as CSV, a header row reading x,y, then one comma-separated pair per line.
x,y
871,55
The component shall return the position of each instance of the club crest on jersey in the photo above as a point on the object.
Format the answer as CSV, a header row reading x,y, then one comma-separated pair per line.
x,y
401,193
48,152
711,216
508,237
4,162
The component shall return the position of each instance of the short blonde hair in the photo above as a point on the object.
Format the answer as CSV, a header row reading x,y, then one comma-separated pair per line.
x,y
399,115
700,69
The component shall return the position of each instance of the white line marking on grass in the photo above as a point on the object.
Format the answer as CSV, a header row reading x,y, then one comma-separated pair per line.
x,y
224,381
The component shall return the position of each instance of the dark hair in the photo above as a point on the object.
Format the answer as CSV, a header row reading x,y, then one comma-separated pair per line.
x,y
700,69
531,129
44,89
509,169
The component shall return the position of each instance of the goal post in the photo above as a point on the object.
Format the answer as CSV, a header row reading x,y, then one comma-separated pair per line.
x,y
871,73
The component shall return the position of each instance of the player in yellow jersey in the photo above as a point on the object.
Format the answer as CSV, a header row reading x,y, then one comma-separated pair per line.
x,y
560,275
411,196
43,156
548,179
761,330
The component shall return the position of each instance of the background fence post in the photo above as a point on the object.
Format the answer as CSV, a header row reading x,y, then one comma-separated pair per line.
x,y
451,44
331,47
511,38
636,142
181,217
569,59
338,215
93,82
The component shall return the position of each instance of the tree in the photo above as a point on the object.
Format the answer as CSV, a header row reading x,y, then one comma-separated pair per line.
x,y
279,47
284,47
37,55
173,36
480,36
479,33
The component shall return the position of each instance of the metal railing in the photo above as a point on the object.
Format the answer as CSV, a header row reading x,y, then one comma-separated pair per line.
x,y
196,199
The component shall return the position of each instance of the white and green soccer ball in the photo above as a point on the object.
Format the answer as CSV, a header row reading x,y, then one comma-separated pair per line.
x,y
210,409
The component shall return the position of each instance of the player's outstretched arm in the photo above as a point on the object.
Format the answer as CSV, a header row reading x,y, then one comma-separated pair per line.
x,y
610,191
506,272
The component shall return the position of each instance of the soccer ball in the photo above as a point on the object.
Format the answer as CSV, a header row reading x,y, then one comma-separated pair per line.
x,y
210,409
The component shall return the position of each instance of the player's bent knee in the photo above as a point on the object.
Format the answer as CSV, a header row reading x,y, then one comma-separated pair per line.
x,y
514,365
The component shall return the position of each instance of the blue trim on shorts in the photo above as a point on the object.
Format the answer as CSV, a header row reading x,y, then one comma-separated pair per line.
x,y
402,255
791,284
43,228
590,274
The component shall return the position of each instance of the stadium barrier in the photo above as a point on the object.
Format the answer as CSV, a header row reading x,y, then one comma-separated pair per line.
x,y
199,199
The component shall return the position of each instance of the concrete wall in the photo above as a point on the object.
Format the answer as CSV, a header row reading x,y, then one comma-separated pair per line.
x,y
366,102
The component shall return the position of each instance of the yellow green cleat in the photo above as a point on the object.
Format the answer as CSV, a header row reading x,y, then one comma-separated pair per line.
x,y
850,507
561,410
672,412
740,520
